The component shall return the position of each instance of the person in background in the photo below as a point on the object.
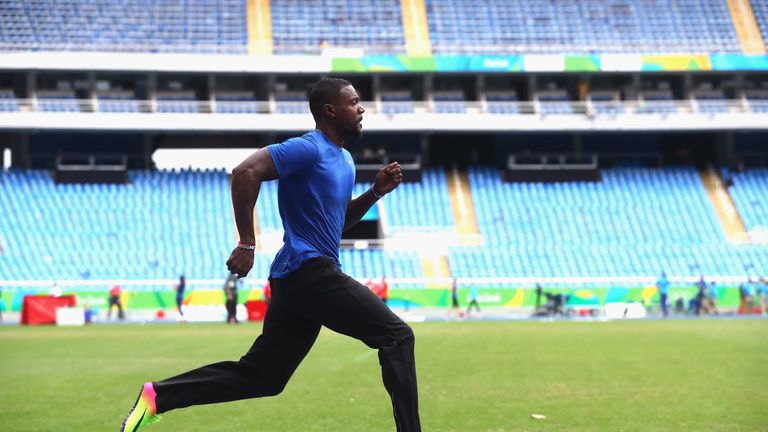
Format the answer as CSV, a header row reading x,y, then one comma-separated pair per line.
x,y
180,287
267,292
473,300
747,298
761,290
539,292
384,289
230,291
701,295
455,309
711,301
663,286
114,300
55,290
2,304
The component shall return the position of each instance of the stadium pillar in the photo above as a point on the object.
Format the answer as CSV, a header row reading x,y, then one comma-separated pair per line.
x,y
148,150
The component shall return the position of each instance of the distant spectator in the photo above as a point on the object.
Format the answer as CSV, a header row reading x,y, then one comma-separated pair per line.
x,y
114,300
762,295
2,304
384,290
455,308
473,300
230,292
267,292
747,299
55,290
180,287
663,286
701,294
710,303
538,298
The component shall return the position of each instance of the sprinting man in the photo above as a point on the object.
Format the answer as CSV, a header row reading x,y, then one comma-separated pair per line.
x,y
309,290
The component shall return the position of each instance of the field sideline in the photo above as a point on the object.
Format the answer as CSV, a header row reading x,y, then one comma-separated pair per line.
x,y
473,376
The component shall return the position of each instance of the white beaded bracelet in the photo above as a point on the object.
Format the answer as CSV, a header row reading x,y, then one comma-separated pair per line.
x,y
246,246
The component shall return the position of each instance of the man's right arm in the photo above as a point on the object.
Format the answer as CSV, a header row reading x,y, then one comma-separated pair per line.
x,y
246,183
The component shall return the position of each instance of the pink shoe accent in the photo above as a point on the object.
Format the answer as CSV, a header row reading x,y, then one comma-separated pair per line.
x,y
149,395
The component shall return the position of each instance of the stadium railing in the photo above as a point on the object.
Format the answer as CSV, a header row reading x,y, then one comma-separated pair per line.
x,y
587,108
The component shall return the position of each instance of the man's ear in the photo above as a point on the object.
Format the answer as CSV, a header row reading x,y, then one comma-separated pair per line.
x,y
330,110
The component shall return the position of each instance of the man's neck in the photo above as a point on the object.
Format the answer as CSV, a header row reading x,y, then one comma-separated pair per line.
x,y
332,135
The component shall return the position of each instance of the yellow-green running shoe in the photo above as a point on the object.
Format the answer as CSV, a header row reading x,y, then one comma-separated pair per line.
x,y
144,411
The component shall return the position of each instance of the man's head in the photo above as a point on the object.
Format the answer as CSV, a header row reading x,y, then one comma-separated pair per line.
x,y
334,102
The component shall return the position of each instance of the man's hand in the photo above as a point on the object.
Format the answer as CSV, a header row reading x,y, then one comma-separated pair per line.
x,y
388,178
240,262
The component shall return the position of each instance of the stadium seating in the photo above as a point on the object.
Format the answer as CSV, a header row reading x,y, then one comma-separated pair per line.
x,y
605,103
291,102
420,207
749,192
579,26
236,103
57,101
760,10
308,26
194,26
8,101
657,102
635,222
160,225
117,102
498,102
396,102
711,101
554,102
177,102
758,100
450,102
300,27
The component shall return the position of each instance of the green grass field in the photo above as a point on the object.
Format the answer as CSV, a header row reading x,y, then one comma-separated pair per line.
x,y
707,375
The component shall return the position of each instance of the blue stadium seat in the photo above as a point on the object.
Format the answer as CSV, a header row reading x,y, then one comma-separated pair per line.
x,y
396,102
191,26
307,26
580,26
619,227
117,102
8,101
236,103
749,192
498,102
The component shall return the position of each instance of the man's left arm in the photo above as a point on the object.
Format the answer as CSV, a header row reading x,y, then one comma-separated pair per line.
x,y
387,179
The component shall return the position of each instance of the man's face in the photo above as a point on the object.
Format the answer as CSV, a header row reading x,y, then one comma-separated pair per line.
x,y
349,112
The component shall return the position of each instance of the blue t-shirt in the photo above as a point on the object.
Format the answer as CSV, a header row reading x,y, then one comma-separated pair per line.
x,y
313,192
663,285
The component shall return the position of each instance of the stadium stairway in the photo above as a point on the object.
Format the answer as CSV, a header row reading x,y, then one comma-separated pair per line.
x,y
415,28
724,207
259,21
435,267
746,27
463,208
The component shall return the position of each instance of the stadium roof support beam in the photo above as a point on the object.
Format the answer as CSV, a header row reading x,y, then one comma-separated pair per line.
x,y
744,23
416,28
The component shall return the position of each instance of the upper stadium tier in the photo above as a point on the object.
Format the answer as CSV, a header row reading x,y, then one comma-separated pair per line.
x,y
392,27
